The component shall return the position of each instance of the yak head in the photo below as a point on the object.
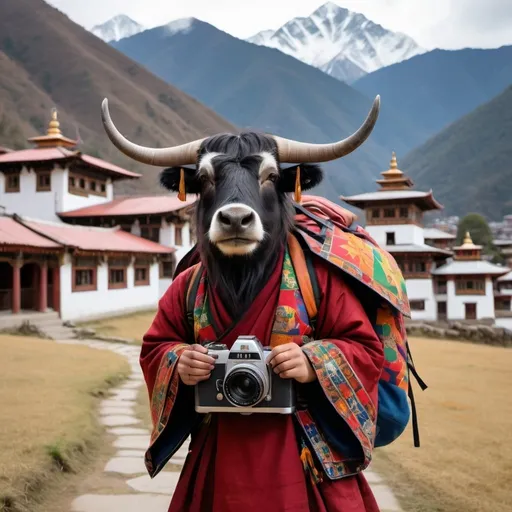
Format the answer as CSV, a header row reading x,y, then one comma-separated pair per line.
x,y
244,184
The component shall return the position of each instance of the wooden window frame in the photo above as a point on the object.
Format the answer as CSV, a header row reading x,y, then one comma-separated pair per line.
x,y
121,285
144,282
162,274
84,287
178,229
150,227
43,188
10,189
403,209
413,302
387,210
459,290
391,234
86,190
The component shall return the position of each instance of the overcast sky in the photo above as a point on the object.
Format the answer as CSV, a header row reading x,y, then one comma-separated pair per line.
x,y
432,23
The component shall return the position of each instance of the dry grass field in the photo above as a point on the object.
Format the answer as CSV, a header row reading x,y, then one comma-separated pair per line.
x,y
132,327
465,460
48,397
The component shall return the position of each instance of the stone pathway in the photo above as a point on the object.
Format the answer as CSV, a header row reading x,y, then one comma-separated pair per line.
x,y
117,413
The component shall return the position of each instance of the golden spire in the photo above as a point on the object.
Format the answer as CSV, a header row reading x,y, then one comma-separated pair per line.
x,y
393,164
467,239
53,137
53,126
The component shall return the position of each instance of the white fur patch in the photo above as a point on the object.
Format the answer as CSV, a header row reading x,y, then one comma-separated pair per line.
x,y
220,236
206,165
268,164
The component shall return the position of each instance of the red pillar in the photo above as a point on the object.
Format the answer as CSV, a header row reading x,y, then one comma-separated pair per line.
x,y
56,288
43,287
16,287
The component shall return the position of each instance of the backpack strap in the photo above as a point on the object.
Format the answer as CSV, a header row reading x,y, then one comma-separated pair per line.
x,y
190,298
306,276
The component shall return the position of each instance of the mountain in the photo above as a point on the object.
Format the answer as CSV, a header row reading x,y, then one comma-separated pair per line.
x,y
468,165
439,87
262,88
117,28
48,61
342,43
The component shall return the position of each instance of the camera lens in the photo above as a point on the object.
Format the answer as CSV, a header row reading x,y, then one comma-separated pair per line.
x,y
243,388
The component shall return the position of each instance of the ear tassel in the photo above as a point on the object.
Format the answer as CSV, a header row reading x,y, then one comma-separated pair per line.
x,y
182,194
298,189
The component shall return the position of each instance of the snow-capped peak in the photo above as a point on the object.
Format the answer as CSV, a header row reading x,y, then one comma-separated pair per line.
x,y
117,28
182,25
344,44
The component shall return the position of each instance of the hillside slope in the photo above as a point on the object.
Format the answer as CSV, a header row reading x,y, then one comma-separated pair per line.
x,y
46,60
469,164
439,87
257,87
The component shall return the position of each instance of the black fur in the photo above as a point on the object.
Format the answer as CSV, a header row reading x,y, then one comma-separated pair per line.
x,y
238,279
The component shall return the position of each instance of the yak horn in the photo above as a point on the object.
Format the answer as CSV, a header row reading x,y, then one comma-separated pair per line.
x,y
292,151
185,154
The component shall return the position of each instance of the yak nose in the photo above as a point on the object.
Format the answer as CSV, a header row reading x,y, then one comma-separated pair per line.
x,y
236,218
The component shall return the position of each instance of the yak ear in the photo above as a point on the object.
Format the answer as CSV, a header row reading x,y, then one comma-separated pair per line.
x,y
170,179
310,176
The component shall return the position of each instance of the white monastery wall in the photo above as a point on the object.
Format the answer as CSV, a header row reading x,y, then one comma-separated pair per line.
x,y
70,202
456,303
103,302
30,203
404,234
422,289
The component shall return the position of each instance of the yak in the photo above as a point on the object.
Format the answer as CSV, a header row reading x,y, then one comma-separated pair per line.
x,y
245,211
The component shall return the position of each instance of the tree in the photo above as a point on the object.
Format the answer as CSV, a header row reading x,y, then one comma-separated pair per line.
x,y
479,230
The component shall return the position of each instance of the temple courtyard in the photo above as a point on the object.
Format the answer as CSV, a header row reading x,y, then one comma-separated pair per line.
x,y
94,434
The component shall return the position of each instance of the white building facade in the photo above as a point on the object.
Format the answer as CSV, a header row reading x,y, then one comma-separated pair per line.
x,y
439,287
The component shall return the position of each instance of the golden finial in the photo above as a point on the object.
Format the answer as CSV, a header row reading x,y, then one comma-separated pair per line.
x,y
467,239
53,126
393,164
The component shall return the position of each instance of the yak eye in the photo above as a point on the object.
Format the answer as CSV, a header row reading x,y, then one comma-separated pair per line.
x,y
272,177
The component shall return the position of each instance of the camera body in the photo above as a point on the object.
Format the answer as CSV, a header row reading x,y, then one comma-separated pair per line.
x,y
243,383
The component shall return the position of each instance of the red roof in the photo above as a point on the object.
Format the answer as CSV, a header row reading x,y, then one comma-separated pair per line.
x,y
14,234
149,205
96,239
60,153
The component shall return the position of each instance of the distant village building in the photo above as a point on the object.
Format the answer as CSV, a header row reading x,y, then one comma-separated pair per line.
x,y
67,245
466,285
443,282
394,218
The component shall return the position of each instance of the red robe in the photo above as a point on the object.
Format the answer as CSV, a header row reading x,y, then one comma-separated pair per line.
x,y
252,463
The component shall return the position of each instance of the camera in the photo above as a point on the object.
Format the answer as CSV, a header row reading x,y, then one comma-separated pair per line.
x,y
243,382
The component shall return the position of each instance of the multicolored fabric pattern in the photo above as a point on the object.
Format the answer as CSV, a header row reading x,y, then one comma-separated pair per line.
x,y
163,397
348,396
341,386
390,327
366,262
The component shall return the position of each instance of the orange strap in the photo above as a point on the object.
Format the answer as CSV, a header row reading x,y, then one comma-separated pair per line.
x,y
302,273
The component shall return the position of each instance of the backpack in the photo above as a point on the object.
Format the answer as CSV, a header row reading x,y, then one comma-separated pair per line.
x,y
321,230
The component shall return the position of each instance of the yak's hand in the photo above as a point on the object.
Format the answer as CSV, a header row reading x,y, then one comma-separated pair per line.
x,y
195,365
290,362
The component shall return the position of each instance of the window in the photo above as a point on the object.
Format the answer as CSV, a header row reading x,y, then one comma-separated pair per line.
x,y
389,213
419,267
150,233
166,269
103,188
390,238
83,185
92,186
44,182
465,286
72,182
441,286
12,183
404,212
84,274
178,235
417,305
142,275
116,277
375,213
